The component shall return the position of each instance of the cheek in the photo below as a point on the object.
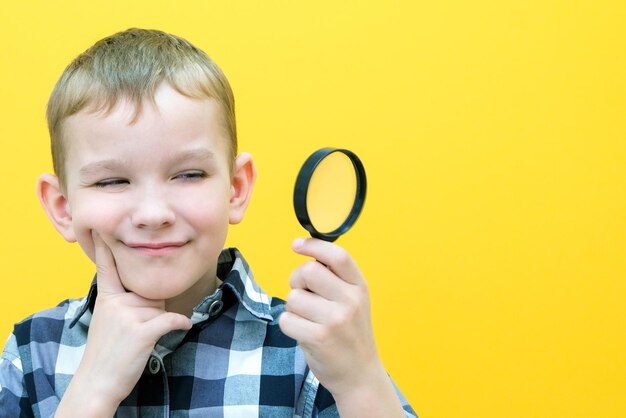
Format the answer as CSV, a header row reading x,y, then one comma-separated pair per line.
x,y
101,216
208,217
207,214
207,205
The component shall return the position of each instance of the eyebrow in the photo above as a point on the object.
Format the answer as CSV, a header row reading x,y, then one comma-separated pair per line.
x,y
111,164
99,166
196,154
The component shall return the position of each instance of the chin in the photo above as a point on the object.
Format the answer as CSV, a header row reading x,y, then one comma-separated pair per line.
x,y
152,290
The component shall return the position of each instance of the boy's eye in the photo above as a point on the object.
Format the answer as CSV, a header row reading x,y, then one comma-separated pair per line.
x,y
110,183
191,175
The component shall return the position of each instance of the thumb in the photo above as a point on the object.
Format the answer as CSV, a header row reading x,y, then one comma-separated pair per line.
x,y
106,271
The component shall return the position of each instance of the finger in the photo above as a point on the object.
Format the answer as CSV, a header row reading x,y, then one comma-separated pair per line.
x,y
298,328
317,278
145,314
331,255
134,300
106,271
309,305
166,322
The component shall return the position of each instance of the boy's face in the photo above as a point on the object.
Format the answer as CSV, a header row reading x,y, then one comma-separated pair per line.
x,y
158,191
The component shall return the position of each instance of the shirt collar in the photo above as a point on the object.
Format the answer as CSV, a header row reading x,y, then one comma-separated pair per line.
x,y
236,278
236,275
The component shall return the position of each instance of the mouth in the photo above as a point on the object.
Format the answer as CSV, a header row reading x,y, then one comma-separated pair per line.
x,y
156,248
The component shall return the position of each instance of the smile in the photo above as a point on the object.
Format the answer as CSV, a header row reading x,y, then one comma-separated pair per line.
x,y
156,248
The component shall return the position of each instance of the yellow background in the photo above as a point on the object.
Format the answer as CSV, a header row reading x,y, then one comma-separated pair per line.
x,y
493,134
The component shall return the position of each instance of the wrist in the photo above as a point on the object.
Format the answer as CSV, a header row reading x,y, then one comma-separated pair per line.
x,y
373,395
365,378
84,398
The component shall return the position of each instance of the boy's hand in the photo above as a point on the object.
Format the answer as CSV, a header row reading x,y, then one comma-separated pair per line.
x,y
328,313
123,330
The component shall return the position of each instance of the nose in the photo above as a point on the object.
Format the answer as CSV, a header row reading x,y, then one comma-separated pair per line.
x,y
152,210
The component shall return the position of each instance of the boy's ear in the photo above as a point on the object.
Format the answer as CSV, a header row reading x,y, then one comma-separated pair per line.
x,y
244,174
56,206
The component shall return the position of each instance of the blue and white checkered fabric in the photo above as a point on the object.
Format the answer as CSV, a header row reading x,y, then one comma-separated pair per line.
x,y
234,362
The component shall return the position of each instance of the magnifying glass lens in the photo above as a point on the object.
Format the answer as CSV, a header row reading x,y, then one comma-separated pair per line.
x,y
331,193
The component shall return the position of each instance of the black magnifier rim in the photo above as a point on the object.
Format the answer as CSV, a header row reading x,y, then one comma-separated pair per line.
x,y
302,187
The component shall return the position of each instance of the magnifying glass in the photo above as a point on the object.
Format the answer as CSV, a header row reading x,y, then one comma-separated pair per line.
x,y
329,192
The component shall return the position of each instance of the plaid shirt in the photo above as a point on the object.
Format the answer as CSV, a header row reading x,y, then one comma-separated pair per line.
x,y
234,362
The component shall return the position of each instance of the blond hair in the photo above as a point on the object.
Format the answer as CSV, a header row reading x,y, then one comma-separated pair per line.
x,y
131,65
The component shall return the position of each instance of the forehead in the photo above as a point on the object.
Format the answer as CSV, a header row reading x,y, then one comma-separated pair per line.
x,y
170,123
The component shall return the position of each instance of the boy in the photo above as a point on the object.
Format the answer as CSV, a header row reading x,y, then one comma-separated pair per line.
x,y
147,180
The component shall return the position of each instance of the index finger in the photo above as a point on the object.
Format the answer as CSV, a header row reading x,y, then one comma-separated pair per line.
x,y
107,277
332,256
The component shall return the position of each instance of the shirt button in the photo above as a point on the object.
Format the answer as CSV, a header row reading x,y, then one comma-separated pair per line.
x,y
154,365
215,307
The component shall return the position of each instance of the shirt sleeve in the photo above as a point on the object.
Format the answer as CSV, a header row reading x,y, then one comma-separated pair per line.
x,y
325,407
12,391
408,411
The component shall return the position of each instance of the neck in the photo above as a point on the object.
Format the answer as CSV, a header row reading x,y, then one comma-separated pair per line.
x,y
185,302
